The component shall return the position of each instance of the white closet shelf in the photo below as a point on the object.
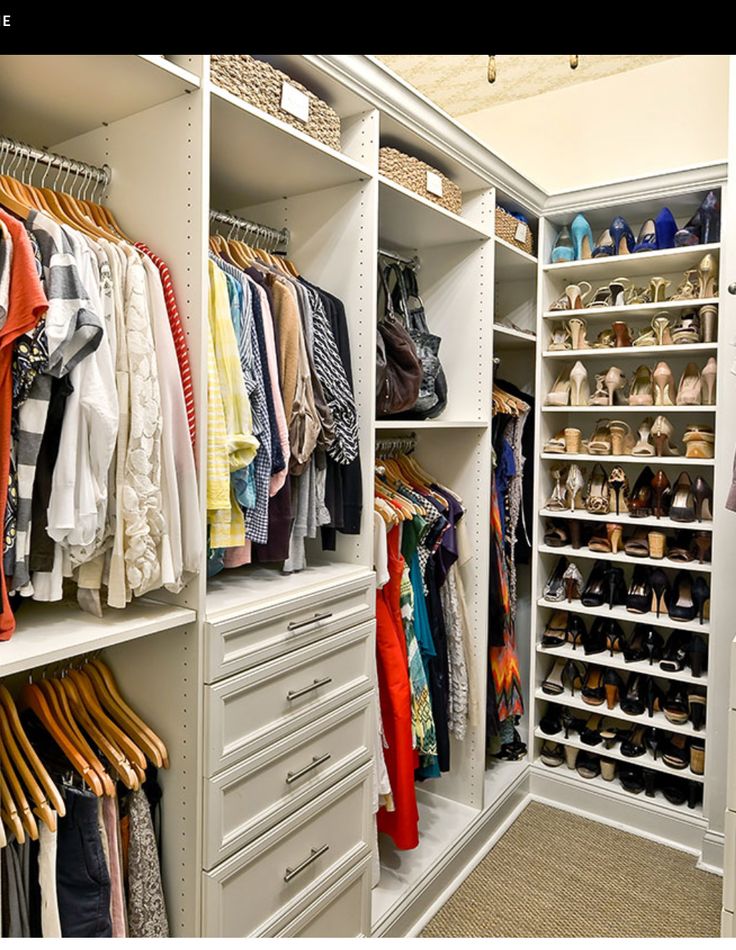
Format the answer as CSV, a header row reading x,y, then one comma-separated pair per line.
x,y
407,424
232,593
658,720
649,522
647,760
655,460
615,790
623,615
297,164
49,99
408,220
622,558
508,338
626,352
648,263
47,633
512,263
632,309
617,662
642,410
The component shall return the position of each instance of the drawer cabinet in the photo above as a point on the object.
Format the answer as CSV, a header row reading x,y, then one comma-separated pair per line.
x,y
274,876
249,798
237,644
257,708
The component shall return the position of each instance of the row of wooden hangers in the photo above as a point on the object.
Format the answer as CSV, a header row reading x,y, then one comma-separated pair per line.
x,y
82,709
394,468
243,255
506,404
19,195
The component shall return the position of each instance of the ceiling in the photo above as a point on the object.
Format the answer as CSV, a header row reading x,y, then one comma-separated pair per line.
x,y
459,84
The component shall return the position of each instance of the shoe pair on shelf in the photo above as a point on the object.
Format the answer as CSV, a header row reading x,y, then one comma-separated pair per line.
x,y
602,494
655,234
695,326
684,547
685,501
614,437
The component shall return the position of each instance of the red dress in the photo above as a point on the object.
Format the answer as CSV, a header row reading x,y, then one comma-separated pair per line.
x,y
395,697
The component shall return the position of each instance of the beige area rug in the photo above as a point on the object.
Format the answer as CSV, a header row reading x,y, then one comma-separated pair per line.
x,y
554,874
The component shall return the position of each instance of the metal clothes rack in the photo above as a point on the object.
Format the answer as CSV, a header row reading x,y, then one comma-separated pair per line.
x,y
11,149
412,262
265,237
389,447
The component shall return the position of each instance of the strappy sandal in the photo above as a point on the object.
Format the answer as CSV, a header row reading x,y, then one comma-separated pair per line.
x,y
593,692
591,733
560,339
603,341
657,288
555,633
688,329
646,338
644,446
556,536
596,498
577,327
556,444
689,289
600,442
638,544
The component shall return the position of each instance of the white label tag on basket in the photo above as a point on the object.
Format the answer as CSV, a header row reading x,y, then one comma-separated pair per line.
x,y
521,231
434,184
295,102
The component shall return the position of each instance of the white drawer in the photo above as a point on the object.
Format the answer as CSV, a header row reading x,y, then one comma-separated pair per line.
x,y
254,709
344,910
260,635
276,874
248,799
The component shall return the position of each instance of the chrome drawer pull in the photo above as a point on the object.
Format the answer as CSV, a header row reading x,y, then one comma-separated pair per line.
x,y
316,760
305,623
296,693
315,853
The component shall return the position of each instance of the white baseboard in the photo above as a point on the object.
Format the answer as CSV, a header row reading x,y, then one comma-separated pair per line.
x,y
712,852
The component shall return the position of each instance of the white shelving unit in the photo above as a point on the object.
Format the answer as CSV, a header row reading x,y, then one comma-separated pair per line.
x,y
631,310
617,662
624,558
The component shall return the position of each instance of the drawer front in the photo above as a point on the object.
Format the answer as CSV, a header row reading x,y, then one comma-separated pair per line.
x,y
274,875
265,634
342,911
250,798
255,709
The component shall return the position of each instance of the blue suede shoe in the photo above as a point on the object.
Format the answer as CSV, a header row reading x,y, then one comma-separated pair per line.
x,y
666,227
622,236
605,246
647,240
563,249
582,238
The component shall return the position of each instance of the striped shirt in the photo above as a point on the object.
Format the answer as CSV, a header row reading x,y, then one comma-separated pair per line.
x,y
180,340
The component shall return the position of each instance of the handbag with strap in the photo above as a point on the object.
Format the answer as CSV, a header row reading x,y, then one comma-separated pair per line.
x,y
398,368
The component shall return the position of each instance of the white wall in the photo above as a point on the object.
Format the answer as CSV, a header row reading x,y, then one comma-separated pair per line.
x,y
657,118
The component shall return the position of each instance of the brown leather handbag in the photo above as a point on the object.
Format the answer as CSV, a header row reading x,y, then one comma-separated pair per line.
x,y
398,368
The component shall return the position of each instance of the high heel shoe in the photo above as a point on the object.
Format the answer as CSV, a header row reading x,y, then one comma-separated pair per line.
x,y
661,596
600,442
644,445
556,444
615,586
619,483
559,338
594,592
687,330
701,597
573,582
621,235
574,484
654,697
621,439
576,632
707,316
557,500
561,673
682,506
574,297
664,385
707,273
597,493
705,225
699,442
621,334
682,605
554,589
696,706
697,655
703,495
666,228
614,636
640,503
559,395
576,327
657,289
555,632
593,692
641,392
675,706
613,686
579,386
688,287
615,535
615,381
564,249
552,754
605,246
662,493
661,326
690,389
674,654
702,544
662,432
639,595
708,381
697,757
594,640
582,238
633,699
647,240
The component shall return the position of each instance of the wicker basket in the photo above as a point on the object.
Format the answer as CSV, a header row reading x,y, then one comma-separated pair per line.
x,y
262,86
507,227
420,178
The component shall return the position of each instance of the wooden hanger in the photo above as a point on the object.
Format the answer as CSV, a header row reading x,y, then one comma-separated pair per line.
x,y
19,796
9,813
116,735
136,721
44,811
52,792
31,697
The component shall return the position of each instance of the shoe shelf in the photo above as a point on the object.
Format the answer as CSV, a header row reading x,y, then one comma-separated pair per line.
x,y
512,263
649,522
632,309
614,789
622,558
617,662
642,410
658,720
647,760
620,613
628,459
410,220
628,351
410,424
646,264
511,339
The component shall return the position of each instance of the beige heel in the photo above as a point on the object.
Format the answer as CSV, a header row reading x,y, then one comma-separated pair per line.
x,y
572,441
708,382
656,544
571,756
608,770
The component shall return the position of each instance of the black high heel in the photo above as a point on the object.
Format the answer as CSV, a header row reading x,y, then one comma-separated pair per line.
x,y
633,746
593,692
632,778
550,723
683,605
694,794
697,655
576,631
554,589
555,632
675,652
594,592
594,641
676,707
660,591
633,702
696,706
615,586
703,495
655,697
705,225
701,596
615,639
639,596
650,782
653,643
613,686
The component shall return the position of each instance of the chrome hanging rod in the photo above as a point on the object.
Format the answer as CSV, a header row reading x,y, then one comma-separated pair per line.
x,y
412,262
263,236
398,445
13,154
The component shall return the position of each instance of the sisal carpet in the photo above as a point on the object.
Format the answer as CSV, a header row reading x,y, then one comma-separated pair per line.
x,y
554,874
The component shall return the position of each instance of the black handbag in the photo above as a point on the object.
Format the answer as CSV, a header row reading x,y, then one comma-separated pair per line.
x,y
398,368
432,398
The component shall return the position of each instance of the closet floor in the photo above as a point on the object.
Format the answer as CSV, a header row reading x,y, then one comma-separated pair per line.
x,y
555,874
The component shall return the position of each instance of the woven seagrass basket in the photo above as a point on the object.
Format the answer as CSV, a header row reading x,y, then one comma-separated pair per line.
x,y
261,85
507,227
420,177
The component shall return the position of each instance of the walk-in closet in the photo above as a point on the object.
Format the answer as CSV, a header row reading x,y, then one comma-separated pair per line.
x,y
365,497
